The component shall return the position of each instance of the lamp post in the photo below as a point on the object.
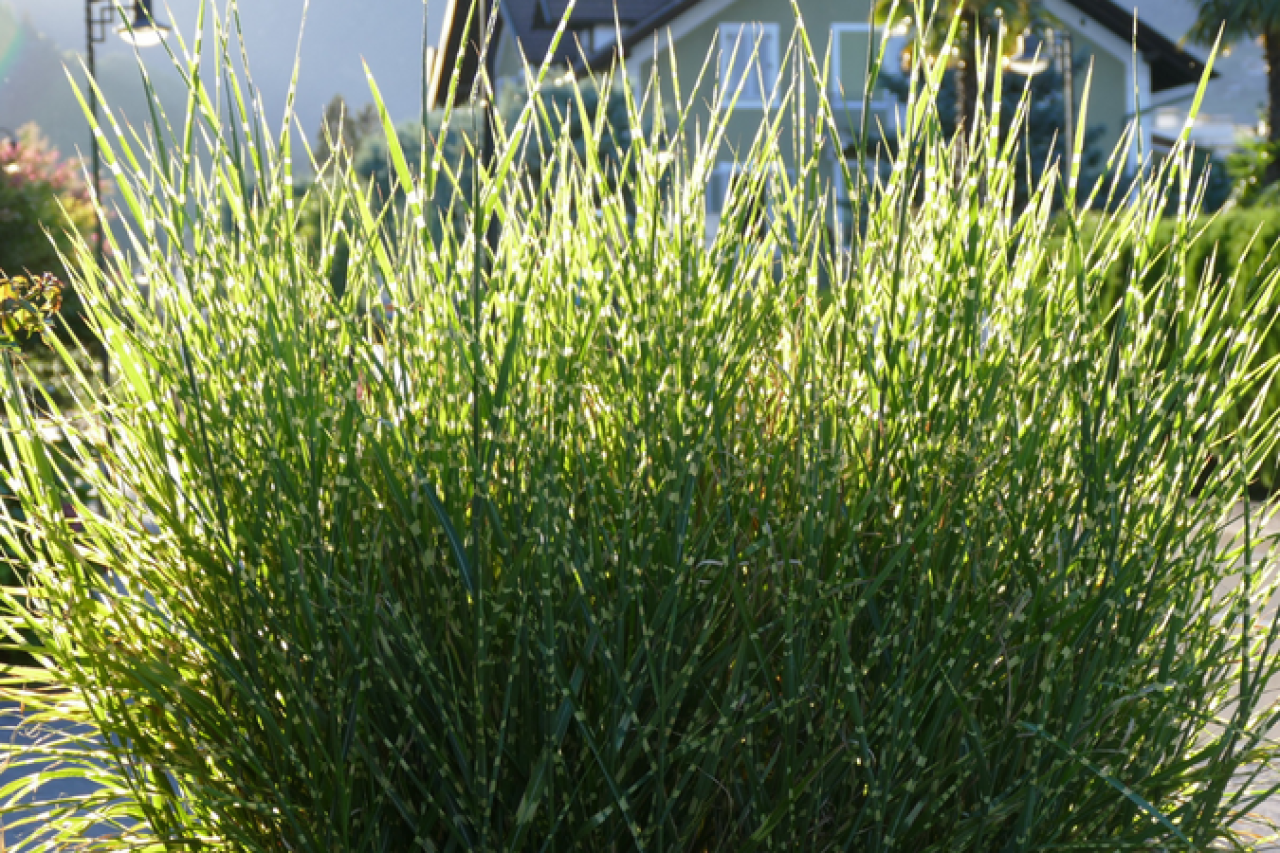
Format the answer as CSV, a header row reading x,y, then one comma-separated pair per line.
x,y
1031,56
1034,56
141,31
1066,66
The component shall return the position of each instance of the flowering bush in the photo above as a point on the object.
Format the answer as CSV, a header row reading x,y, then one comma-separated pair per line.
x,y
42,197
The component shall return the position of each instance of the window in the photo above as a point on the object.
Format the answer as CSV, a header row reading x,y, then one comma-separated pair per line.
x,y
851,49
595,38
603,35
718,187
749,193
748,63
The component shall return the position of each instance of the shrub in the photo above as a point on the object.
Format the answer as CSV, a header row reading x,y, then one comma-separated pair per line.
x,y
1213,172
44,210
609,539
1235,245
457,136
1248,169
41,195
1040,124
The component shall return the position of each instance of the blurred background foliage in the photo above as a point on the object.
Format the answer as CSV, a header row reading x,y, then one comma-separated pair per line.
x,y
42,195
1042,141
358,139
44,209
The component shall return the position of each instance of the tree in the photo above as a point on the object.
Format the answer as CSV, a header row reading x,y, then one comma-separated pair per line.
x,y
1240,19
1040,136
340,130
980,21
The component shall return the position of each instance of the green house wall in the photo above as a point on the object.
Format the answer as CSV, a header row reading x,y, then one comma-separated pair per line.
x,y
693,48
1109,91
1108,101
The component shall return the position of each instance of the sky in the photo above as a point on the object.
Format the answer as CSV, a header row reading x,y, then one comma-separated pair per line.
x,y
1235,99
37,37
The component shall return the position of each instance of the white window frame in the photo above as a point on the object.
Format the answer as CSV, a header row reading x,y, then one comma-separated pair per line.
x,y
768,47
722,179
845,99
603,35
840,198
724,173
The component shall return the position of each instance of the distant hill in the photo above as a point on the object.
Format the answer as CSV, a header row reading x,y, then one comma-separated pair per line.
x,y
39,37
34,85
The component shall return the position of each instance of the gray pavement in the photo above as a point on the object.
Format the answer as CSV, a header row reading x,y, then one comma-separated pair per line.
x,y
15,730
1267,816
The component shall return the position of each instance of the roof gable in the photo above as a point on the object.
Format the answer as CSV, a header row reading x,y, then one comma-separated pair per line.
x,y
534,23
462,32
1171,66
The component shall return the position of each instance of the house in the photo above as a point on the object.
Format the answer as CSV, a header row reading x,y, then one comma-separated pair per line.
x,y
1235,104
1133,63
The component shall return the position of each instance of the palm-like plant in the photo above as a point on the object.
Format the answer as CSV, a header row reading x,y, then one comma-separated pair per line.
x,y
979,23
1235,20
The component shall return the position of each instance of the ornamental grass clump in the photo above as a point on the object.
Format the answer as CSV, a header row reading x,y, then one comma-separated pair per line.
x,y
565,528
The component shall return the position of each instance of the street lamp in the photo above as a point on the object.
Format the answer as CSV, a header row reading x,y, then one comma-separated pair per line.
x,y
142,31
1030,56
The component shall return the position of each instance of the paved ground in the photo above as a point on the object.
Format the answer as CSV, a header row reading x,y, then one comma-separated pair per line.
x,y
1269,812
12,730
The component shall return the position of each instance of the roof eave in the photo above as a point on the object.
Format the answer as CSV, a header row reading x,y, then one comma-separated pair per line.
x,y
603,59
452,41
1171,66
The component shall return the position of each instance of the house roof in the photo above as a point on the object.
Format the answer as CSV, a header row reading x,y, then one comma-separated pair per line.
x,y
1171,66
535,22
658,17
599,11
462,32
